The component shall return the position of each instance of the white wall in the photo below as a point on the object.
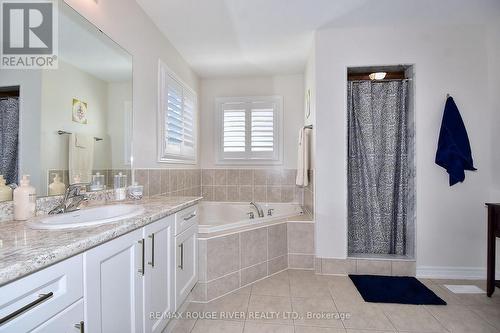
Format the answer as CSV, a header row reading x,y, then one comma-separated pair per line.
x,y
29,119
451,222
310,83
59,87
126,23
119,97
291,87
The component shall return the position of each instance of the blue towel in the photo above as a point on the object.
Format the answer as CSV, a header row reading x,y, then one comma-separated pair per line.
x,y
454,153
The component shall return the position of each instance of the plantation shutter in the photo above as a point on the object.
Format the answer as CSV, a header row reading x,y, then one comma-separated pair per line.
x,y
179,105
249,129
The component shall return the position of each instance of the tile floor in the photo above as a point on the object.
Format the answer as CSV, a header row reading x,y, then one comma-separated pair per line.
x,y
303,292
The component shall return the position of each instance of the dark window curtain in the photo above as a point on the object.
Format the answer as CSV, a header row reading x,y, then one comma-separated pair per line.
x,y
9,138
377,167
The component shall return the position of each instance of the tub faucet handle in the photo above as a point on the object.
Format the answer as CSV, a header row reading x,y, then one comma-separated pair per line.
x,y
270,212
251,215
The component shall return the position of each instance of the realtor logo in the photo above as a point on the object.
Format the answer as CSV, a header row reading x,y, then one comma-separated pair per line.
x,y
29,34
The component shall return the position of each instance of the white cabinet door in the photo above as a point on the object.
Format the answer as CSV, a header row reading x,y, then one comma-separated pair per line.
x,y
186,274
113,277
159,296
65,321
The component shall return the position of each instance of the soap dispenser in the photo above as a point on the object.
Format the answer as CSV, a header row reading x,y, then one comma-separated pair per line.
x,y
56,187
24,200
5,191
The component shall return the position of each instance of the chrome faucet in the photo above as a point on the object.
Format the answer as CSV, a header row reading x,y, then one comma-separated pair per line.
x,y
260,212
71,200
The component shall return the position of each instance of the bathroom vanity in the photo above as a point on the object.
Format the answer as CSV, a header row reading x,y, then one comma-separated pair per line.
x,y
126,276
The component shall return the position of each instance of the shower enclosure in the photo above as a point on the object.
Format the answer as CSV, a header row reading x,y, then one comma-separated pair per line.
x,y
380,168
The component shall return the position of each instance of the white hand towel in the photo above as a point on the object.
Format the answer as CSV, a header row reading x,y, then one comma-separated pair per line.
x,y
81,157
302,159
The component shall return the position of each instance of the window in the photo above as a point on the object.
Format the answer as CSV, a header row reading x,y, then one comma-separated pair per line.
x,y
249,130
177,119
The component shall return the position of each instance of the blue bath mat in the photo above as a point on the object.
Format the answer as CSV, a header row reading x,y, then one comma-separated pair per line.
x,y
394,289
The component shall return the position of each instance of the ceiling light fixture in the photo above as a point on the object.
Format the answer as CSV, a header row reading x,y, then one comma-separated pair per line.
x,y
377,76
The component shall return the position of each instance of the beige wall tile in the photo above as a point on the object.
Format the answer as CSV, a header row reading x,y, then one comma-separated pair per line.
x,y
403,268
260,193
154,182
220,193
253,273
300,237
207,193
374,267
301,261
246,193
333,266
274,194
202,260
165,181
174,184
259,177
223,285
207,177
288,176
317,265
288,194
246,177
277,264
142,178
220,177
273,177
233,193
223,256
277,240
253,247
232,177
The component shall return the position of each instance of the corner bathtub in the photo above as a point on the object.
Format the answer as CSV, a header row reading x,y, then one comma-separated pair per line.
x,y
223,216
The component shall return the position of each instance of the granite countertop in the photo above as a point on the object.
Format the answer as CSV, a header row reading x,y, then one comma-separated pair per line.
x,y
24,250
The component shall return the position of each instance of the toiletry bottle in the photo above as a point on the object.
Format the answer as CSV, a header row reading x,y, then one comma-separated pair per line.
x,y
97,182
5,191
120,186
24,200
57,187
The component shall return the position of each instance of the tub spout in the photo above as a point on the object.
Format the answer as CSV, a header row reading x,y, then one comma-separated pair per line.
x,y
259,209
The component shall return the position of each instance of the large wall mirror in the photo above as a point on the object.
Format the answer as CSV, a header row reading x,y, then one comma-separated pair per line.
x,y
69,124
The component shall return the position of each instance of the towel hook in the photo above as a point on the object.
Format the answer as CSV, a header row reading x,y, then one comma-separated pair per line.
x,y
448,95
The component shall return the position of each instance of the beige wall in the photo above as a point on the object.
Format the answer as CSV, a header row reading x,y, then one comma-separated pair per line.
x,y
291,87
126,23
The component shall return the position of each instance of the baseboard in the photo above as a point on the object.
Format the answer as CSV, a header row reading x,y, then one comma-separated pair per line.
x,y
447,272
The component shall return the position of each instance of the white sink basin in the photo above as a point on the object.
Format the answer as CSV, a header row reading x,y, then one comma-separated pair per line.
x,y
88,217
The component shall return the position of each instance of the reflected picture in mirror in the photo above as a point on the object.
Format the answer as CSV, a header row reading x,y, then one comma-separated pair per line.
x,y
71,124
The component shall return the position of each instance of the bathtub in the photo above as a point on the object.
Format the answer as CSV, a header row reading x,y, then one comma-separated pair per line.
x,y
223,216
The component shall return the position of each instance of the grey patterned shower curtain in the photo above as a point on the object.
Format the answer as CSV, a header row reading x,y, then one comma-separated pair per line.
x,y
9,138
377,167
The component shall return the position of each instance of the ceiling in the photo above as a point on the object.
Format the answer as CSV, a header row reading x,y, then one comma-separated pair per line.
x,y
224,38
85,47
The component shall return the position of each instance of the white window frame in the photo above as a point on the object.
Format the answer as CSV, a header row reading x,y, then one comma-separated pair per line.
x,y
164,156
245,158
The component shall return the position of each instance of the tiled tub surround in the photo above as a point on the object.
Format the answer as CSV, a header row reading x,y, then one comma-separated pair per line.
x,y
262,185
215,216
24,250
308,202
231,260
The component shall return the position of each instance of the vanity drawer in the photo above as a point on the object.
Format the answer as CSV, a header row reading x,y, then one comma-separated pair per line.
x,y
185,219
29,302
